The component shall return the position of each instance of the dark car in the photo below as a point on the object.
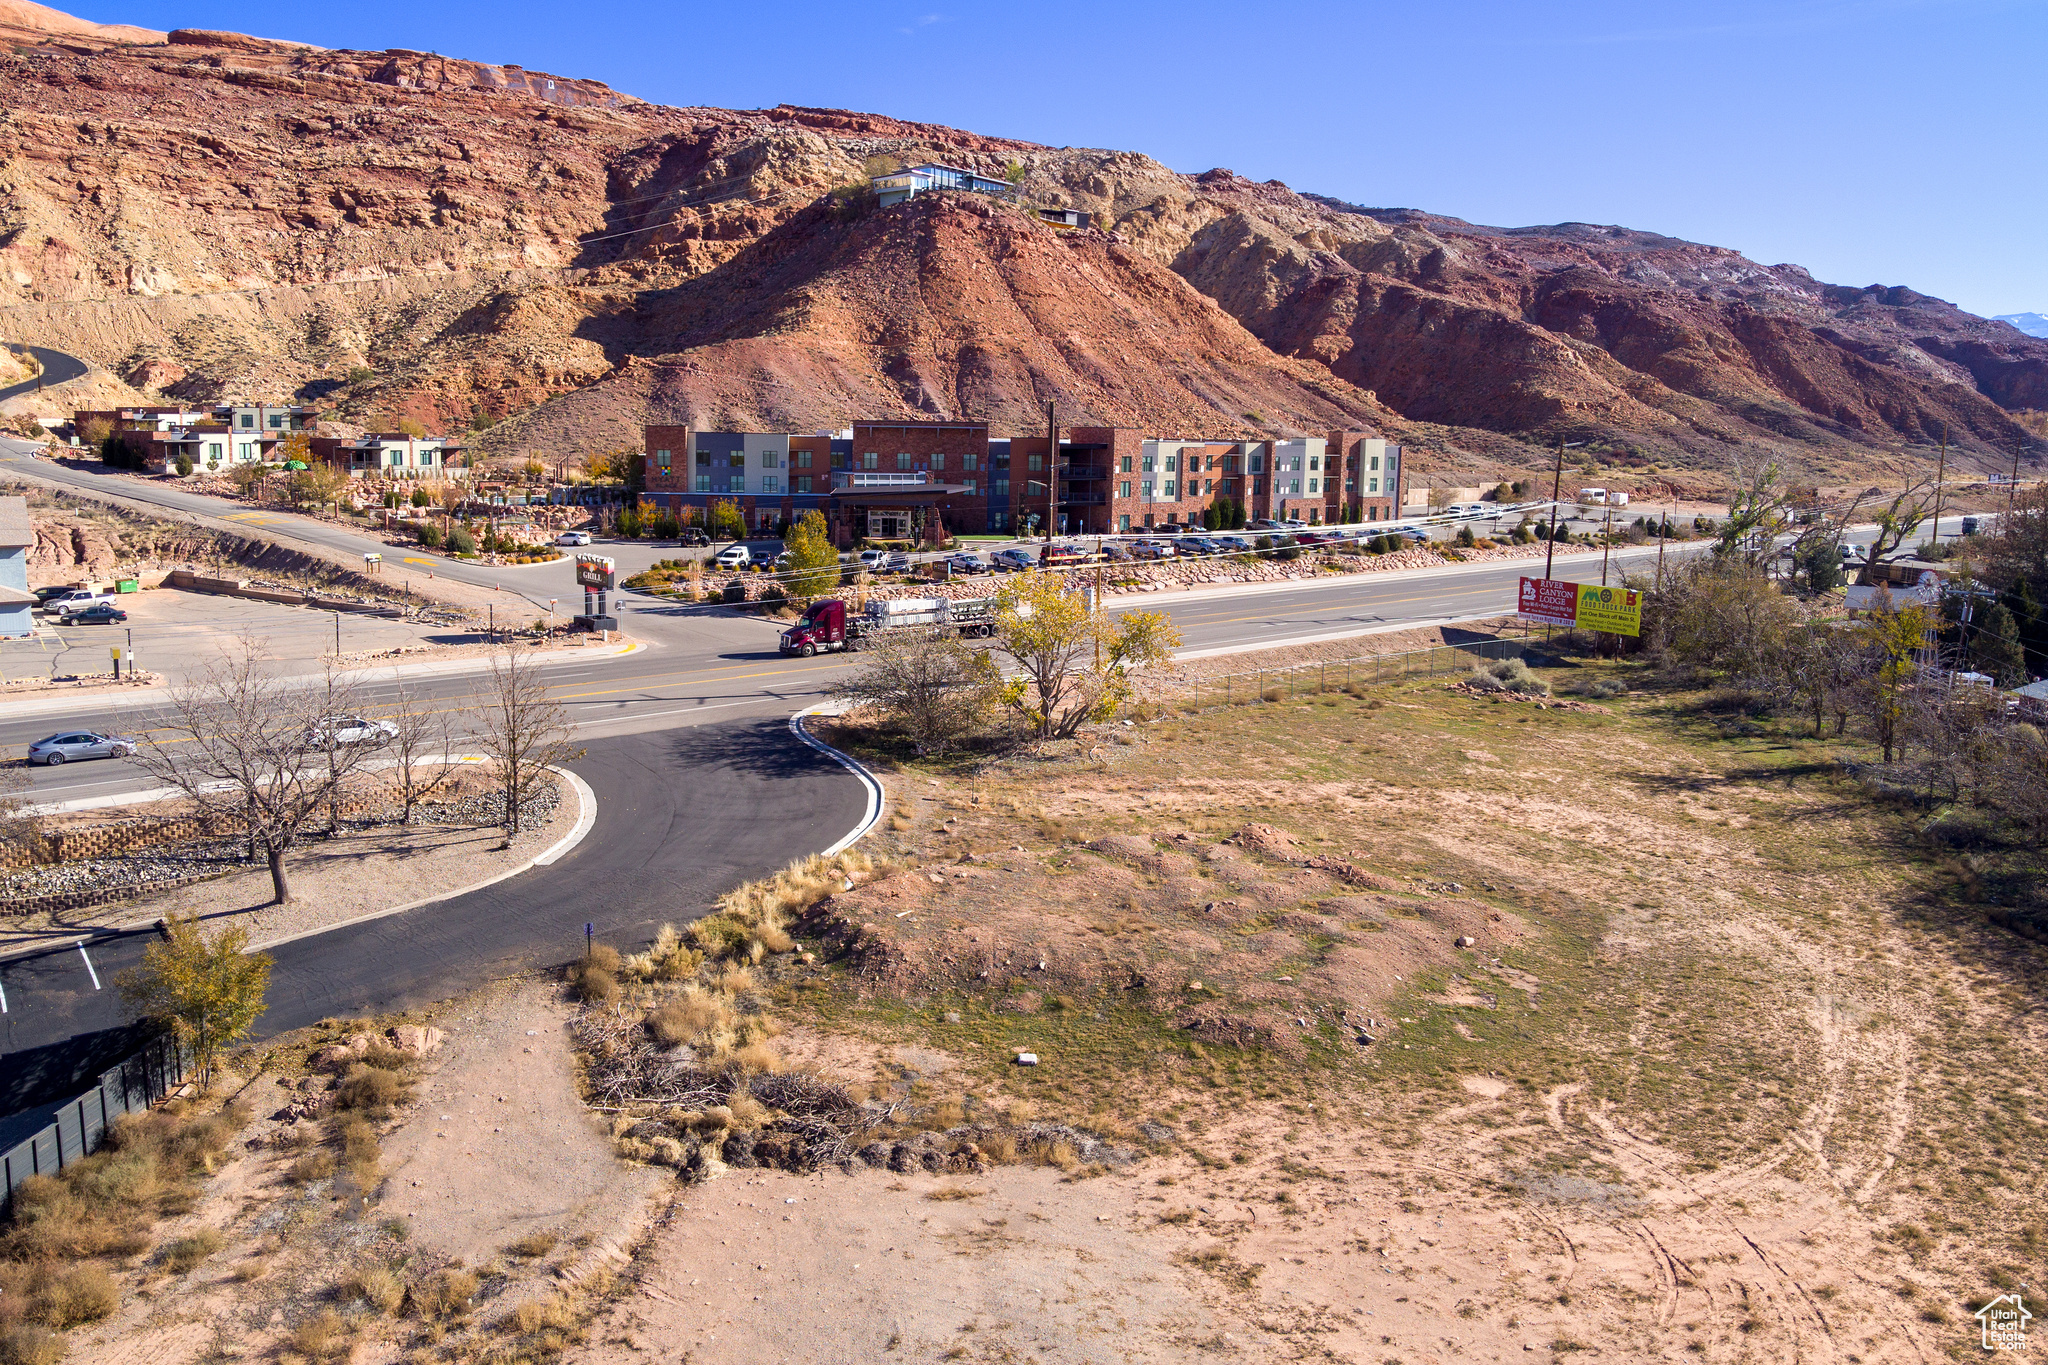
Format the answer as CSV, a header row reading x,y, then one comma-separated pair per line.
x,y
1062,554
99,614
1234,545
691,535
1115,551
1200,545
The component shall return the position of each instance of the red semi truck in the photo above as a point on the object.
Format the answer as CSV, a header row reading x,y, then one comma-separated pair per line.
x,y
829,625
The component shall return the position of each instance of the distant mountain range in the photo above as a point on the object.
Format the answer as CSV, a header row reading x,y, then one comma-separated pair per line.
x,y
555,264
2033,324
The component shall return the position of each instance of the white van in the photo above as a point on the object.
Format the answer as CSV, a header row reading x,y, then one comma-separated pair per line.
x,y
78,599
1467,511
1593,495
1618,499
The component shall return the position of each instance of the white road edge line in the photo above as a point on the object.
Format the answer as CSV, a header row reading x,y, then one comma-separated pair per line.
x,y
89,969
868,780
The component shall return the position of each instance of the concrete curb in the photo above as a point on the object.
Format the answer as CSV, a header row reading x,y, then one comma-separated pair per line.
x,y
587,801
868,780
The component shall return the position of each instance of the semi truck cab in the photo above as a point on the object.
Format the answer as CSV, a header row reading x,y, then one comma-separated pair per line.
x,y
821,627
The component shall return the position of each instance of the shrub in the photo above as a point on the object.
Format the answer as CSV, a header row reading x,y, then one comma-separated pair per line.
x,y
184,464
533,1245
419,498
320,1336
430,536
28,1345
78,1295
735,591
373,1089
1509,675
186,1252
374,1285
535,1315
596,974
461,542
314,1165
444,1294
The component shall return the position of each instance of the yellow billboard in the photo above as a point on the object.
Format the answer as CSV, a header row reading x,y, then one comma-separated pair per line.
x,y
1619,611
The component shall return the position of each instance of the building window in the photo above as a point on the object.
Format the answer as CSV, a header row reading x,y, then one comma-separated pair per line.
x,y
1035,462
870,460
803,459
803,483
397,457
771,483
970,462
703,483
213,450
903,461
968,484
1148,464
938,462
1258,488
1148,520
276,423
1169,490
1372,485
1375,462
1312,486
1171,462
1255,464
1315,462
1123,490
248,420
736,483
1294,488
661,458
1125,467
1145,487
771,459
1208,485
999,488
704,458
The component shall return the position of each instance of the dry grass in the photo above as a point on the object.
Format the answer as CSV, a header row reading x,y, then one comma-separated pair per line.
x,y
372,1090
444,1294
321,1337
557,1312
376,1286
188,1251
533,1245
753,920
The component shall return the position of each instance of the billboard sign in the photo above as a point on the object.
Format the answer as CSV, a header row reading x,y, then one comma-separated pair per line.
x,y
595,571
1618,611
1548,601
1586,606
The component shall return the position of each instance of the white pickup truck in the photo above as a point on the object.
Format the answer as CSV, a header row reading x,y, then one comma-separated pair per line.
x,y
78,599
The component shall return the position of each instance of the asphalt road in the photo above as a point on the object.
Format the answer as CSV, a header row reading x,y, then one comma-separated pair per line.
x,y
57,369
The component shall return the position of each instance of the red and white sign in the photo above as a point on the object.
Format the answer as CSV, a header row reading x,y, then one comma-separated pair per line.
x,y
1548,601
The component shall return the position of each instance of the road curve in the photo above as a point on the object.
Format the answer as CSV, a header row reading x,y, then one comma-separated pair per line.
x,y
58,368
682,817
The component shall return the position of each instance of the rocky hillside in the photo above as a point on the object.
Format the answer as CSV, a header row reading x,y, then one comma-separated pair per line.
x,y
400,233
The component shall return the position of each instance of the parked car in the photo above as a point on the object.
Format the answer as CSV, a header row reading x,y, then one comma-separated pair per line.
x,y
1851,552
691,535
966,563
43,595
98,614
1054,555
78,599
1198,545
573,538
734,557
1115,551
1013,560
1262,524
1234,545
1153,549
1468,511
884,561
72,745
1312,538
349,730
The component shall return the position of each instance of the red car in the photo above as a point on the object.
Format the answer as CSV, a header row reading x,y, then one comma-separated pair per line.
x,y
1061,554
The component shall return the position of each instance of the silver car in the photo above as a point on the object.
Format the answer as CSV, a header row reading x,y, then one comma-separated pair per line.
x,y
77,744
1014,560
349,730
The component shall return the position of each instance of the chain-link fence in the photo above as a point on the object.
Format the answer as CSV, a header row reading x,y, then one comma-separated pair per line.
x,y
1266,685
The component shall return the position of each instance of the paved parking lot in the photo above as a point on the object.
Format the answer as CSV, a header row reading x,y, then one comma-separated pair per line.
x,y
176,633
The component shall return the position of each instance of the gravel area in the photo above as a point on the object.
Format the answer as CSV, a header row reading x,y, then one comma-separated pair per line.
x,y
369,867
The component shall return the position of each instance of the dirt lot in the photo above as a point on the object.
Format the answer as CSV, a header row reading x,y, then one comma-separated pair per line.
x,y
1415,1025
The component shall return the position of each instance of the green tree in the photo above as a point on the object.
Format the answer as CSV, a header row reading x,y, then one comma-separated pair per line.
x,y
628,525
1820,559
209,992
420,498
1895,637
813,562
1071,662
727,521
1995,647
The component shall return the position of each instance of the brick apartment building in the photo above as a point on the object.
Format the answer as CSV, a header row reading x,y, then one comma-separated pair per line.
x,y
926,480
211,439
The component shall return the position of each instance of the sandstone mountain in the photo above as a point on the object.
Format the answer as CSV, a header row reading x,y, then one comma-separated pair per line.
x,y
402,233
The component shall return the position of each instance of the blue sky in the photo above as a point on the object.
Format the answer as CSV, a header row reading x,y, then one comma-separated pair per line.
x,y
1872,141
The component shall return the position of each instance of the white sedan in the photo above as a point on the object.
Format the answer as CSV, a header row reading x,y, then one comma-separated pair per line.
x,y
573,538
348,730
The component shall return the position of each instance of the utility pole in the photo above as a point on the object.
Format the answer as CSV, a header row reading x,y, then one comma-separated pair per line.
x,y
1052,469
2012,487
1556,483
1663,533
337,635
1940,472
1606,544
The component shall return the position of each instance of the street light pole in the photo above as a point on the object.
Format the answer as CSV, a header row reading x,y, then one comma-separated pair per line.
x,y
1940,472
1556,483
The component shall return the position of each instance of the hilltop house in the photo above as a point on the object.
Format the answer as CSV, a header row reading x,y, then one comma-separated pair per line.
x,y
911,181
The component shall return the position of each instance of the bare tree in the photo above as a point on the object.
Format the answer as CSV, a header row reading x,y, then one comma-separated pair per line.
x,y
525,731
1760,509
248,748
1896,525
937,687
419,750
